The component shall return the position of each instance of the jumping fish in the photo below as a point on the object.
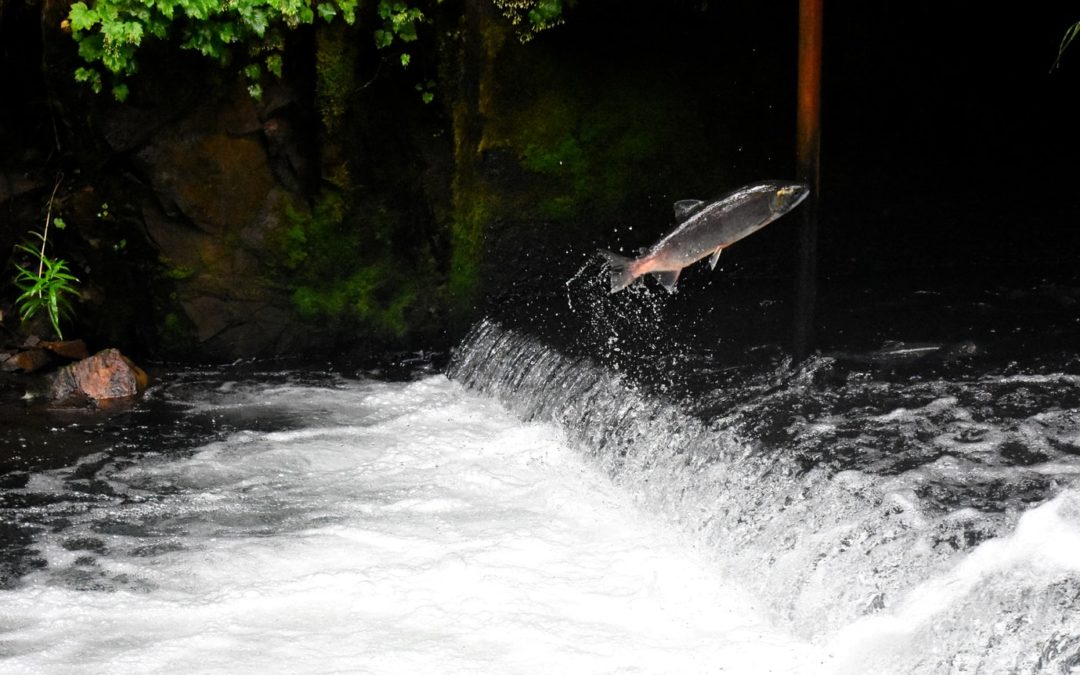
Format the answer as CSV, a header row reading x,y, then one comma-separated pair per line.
x,y
706,229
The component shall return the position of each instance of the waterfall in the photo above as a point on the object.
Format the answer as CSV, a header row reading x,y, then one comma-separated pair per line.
x,y
919,524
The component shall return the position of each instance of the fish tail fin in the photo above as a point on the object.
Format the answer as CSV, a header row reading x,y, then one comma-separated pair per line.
x,y
621,274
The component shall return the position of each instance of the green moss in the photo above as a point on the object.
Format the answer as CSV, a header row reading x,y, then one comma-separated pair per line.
x,y
338,255
176,272
176,333
373,296
589,143
342,268
335,79
557,156
472,216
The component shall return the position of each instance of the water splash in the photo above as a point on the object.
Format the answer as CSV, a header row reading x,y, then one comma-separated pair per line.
x,y
840,498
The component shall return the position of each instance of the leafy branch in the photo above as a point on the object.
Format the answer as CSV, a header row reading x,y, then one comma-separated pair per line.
x,y
110,33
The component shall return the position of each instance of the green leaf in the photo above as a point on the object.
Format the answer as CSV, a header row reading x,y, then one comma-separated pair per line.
x,y
273,64
91,48
405,58
120,92
348,10
1070,35
258,22
48,288
82,17
327,11
59,223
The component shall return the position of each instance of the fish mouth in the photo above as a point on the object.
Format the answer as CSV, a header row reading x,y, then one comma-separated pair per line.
x,y
790,196
799,192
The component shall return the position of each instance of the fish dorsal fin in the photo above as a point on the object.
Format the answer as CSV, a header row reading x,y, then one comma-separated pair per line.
x,y
715,258
686,208
668,279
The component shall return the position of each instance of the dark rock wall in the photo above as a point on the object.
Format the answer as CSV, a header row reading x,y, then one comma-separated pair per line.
x,y
205,224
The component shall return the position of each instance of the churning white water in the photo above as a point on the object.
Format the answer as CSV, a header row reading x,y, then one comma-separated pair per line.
x,y
384,528
928,524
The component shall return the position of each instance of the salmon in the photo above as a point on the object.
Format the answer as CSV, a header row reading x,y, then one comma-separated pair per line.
x,y
706,229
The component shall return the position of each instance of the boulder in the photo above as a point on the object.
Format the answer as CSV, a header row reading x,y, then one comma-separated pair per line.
x,y
104,378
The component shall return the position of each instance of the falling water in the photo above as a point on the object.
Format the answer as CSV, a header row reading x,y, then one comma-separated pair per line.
x,y
922,526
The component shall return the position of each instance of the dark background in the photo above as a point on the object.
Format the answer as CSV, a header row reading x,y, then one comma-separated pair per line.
x,y
949,207
947,138
949,146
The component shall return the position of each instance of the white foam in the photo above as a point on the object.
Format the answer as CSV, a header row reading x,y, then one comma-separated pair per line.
x,y
935,407
434,534
1045,543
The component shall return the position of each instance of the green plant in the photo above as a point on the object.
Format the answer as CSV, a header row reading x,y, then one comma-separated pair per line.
x,y
49,288
250,34
399,21
1070,35
529,17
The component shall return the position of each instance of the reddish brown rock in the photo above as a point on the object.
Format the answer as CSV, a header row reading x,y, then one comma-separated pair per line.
x,y
69,349
105,377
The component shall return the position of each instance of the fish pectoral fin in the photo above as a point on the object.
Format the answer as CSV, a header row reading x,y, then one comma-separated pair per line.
x,y
668,280
715,258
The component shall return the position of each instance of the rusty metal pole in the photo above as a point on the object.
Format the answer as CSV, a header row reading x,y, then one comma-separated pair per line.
x,y
808,149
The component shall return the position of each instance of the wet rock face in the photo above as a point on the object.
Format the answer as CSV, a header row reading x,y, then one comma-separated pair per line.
x,y
104,378
221,190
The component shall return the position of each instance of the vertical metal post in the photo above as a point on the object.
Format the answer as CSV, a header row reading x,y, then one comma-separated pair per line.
x,y
808,149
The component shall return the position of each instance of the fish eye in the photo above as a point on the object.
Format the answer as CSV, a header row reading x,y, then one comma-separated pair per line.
x,y
783,197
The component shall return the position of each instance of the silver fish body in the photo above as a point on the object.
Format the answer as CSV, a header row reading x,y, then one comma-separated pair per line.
x,y
705,229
